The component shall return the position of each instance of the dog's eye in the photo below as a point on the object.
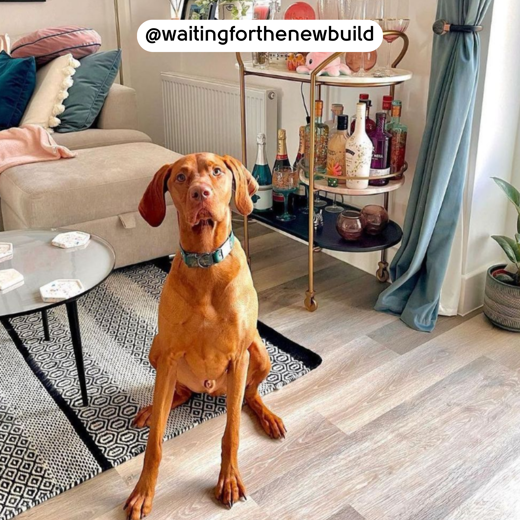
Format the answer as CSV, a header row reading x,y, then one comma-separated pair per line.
x,y
181,177
217,172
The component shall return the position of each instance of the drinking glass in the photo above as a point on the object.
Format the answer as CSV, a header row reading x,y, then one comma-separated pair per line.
x,y
396,17
345,9
328,9
335,207
358,11
285,182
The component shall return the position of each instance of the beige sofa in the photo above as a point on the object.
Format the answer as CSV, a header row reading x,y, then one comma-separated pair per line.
x,y
99,190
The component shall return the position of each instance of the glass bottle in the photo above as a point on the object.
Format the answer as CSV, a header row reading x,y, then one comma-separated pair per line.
x,y
359,152
282,161
320,142
260,60
336,110
399,133
387,108
263,200
370,124
380,165
336,152
300,197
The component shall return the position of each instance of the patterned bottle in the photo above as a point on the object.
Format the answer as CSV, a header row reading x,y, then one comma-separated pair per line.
x,y
359,152
320,141
398,146
336,152
263,200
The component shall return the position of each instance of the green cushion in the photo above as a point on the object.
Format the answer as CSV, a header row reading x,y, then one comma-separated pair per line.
x,y
92,82
17,82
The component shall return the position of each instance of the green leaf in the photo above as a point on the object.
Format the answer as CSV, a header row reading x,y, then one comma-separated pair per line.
x,y
509,246
518,223
512,193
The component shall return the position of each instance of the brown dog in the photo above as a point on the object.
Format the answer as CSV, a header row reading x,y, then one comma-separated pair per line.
x,y
207,340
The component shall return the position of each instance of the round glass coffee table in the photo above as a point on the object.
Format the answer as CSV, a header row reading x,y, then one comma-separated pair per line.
x,y
41,263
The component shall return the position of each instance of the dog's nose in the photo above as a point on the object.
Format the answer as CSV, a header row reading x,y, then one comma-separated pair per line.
x,y
200,192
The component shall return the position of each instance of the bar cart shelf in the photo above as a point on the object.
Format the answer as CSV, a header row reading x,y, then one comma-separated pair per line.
x,y
303,226
328,237
341,81
322,185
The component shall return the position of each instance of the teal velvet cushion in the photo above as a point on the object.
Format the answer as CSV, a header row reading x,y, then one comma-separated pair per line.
x,y
92,82
17,82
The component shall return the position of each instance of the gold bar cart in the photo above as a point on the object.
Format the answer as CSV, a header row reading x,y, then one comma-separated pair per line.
x,y
329,241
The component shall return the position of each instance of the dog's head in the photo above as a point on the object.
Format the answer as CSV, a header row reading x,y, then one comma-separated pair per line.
x,y
201,186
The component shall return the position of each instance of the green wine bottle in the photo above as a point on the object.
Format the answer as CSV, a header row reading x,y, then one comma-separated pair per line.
x,y
263,200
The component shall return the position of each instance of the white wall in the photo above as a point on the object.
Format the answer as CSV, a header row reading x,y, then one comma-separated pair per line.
x,y
495,147
18,18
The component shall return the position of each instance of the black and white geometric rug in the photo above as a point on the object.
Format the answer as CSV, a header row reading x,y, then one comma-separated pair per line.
x,y
49,442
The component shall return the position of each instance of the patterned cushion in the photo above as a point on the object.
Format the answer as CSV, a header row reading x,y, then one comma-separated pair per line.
x,y
48,44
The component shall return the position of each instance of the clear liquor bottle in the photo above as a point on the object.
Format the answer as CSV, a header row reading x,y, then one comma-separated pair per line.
x,y
320,141
336,110
263,200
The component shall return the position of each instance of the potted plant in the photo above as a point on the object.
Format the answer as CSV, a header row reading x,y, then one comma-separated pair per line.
x,y
502,297
235,9
227,9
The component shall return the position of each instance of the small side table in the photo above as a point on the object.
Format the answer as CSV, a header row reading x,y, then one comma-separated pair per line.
x,y
41,263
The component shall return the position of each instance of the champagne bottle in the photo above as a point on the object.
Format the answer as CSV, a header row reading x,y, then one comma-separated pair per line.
x,y
359,152
282,161
300,197
263,200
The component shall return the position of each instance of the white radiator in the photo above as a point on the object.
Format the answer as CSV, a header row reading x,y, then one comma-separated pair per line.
x,y
203,115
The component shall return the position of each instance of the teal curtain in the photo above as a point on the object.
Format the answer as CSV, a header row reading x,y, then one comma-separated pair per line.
x,y
419,268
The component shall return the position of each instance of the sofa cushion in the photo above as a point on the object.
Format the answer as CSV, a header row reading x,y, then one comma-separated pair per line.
x,y
95,137
89,91
47,44
98,183
17,82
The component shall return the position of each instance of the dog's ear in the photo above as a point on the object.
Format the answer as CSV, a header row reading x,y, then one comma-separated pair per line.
x,y
153,206
245,185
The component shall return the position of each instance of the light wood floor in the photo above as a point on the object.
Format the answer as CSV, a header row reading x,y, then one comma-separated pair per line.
x,y
394,424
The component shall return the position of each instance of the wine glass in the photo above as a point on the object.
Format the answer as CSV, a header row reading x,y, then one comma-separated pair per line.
x,y
358,11
328,9
345,9
395,18
285,182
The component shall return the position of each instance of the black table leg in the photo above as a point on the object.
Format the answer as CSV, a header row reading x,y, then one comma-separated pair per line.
x,y
45,322
72,313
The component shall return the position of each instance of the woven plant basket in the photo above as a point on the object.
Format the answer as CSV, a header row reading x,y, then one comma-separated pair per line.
x,y
502,302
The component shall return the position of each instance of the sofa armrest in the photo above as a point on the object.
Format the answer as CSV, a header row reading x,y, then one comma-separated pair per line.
x,y
119,110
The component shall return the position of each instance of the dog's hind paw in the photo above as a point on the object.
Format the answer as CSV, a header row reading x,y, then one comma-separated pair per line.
x,y
143,417
273,426
230,488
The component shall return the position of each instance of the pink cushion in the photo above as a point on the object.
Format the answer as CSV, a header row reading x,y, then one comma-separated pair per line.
x,y
47,44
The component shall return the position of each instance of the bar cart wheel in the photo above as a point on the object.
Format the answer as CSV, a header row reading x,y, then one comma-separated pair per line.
x,y
310,302
382,273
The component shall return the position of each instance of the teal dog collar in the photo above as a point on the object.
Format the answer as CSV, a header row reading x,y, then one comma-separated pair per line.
x,y
206,260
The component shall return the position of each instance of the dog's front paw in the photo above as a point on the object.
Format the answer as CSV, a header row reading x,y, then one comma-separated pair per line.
x,y
139,503
230,488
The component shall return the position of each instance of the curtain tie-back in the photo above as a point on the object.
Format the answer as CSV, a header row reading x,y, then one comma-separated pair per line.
x,y
442,27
